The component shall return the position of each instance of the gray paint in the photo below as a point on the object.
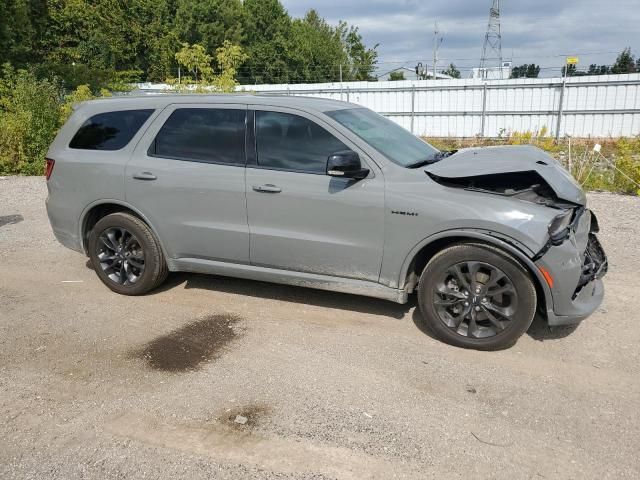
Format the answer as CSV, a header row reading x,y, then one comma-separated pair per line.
x,y
317,224
319,231
197,208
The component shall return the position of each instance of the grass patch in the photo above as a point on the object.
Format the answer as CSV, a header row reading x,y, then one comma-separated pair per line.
x,y
615,169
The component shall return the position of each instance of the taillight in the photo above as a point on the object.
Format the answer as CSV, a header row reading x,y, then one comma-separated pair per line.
x,y
49,167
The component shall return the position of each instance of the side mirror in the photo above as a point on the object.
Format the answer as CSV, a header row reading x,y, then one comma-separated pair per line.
x,y
346,164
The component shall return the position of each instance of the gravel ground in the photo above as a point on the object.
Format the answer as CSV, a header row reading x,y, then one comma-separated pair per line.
x,y
221,378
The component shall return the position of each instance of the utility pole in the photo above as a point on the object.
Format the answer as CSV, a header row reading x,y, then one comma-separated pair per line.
x,y
436,46
492,49
568,61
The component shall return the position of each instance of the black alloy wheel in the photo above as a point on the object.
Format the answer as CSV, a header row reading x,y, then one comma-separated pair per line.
x,y
475,299
126,255
477,296
120,255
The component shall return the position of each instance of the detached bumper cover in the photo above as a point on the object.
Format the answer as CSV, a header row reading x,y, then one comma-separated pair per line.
x,y
577,267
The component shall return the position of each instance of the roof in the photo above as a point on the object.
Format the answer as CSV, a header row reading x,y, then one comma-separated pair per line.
x,y
162,100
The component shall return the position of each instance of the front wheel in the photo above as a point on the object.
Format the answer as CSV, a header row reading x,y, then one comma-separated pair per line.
x,y
476,296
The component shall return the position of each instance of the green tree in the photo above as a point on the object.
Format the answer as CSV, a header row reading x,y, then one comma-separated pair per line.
x,y
625,63
316,51
155,41
362,61
571,71
196,60
229,57
452,71
533,71
267,32
87,41
209,22
598,69
22,25
396,76
526,71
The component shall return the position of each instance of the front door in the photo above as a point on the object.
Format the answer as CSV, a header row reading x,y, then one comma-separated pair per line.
x,y
187,177
301,219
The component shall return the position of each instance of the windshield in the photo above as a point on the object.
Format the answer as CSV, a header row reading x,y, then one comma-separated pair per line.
x,y
389,138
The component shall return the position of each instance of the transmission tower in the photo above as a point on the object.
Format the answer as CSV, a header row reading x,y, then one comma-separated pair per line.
x,y
492,50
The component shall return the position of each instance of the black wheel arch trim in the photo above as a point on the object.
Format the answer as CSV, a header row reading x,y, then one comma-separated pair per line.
x,y
509,245
119,203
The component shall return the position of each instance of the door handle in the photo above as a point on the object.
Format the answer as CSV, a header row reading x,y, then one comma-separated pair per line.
x,y
144,176
267,188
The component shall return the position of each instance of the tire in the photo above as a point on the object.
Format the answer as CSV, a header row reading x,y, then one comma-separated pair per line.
x,y
130,241
496,308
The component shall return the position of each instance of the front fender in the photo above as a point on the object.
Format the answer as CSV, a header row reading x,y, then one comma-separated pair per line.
x,y
509,245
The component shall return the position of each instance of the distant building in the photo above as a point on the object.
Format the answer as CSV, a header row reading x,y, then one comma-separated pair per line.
x,y
493,73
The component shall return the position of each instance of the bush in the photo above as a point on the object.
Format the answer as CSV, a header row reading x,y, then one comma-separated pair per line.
x,y
29,120
626,177
72,76
31,112
617,169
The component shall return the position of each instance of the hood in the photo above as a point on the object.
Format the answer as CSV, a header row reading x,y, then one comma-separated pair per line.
x,y
487,161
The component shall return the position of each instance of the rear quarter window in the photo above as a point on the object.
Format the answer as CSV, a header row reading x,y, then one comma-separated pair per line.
x,y
110,130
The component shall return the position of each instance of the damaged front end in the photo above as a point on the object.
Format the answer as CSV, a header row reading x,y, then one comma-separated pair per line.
x,y
576,263
572,261
522,171
527,185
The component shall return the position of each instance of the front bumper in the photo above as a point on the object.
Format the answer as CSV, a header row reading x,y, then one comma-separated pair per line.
x,y
583,306
577,267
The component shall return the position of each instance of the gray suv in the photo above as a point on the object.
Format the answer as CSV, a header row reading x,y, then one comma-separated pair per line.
x,y
329,195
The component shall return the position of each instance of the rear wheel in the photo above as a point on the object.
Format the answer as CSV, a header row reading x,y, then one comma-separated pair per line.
x,y
126,255
476,296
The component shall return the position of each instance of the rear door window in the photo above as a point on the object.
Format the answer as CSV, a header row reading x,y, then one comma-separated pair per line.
x,y
109,130
210,135
290,142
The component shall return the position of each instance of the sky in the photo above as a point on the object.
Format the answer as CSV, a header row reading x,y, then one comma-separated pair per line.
x,y
533,31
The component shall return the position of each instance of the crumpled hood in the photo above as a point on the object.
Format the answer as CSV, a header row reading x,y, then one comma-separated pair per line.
x,y
471,162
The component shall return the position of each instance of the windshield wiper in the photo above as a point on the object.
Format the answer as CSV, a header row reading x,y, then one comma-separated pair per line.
x,y
436,158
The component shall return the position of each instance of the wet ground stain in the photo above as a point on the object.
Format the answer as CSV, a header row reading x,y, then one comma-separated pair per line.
x,y
10,220
187,348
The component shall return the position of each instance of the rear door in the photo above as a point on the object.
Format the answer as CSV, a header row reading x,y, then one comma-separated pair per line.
x,y
187,177
300,218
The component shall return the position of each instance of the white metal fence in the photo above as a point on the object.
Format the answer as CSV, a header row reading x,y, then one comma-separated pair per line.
x,y
594,106
600,106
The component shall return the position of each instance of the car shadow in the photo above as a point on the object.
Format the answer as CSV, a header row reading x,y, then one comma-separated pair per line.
x,y
10,220
287,293
539,329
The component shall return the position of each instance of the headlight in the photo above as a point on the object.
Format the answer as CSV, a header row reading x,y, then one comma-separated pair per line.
x,y
559,227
